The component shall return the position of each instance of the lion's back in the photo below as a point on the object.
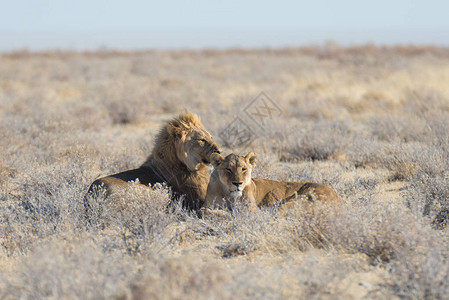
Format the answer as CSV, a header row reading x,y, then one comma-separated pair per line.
x,y
269,192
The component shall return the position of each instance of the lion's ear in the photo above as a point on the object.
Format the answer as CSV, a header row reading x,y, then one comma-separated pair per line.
x,y
216,159
174,129
183,124
251,158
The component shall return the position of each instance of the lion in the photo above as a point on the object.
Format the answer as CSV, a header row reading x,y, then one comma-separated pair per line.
x,y
231,182
180,159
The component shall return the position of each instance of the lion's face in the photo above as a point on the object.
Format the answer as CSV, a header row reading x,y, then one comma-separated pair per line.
x,y
195,147
234,171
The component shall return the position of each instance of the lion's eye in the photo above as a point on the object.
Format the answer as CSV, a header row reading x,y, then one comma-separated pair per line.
x,y
203,140
243,169
229,170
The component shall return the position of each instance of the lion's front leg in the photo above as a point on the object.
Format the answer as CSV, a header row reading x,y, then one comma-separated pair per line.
x,y
252,205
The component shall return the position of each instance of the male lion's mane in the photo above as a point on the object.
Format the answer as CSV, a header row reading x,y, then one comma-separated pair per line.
x,y
163,166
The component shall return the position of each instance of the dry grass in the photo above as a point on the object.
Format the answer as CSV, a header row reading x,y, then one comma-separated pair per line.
x,y
370,121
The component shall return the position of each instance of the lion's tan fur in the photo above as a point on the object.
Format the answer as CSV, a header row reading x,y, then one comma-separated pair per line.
x,y
256,192
179,158
164,147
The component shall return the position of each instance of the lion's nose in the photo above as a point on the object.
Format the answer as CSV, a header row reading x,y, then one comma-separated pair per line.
x,y
216,150
237,183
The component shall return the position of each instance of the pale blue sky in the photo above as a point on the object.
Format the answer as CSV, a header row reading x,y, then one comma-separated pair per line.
x,y
87,24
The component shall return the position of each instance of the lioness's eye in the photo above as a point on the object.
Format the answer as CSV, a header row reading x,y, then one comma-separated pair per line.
x,y
203,140
244,169
229,170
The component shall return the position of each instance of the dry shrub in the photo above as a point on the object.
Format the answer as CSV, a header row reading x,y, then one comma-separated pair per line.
x,y
85,267
139,215
428,192
323,141
378,230
426,103
46,204
122,111
244,232
313,276
179,277
399,129
421,272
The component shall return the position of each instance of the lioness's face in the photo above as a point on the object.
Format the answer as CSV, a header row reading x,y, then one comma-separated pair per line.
x,y
234,171
196,147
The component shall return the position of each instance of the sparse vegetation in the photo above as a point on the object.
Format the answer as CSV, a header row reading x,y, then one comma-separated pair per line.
x,y
372,122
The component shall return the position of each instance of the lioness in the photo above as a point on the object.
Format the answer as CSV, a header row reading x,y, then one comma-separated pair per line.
x,y
231,181
180,158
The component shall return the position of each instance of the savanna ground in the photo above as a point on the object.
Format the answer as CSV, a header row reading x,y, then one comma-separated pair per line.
x,y
371,122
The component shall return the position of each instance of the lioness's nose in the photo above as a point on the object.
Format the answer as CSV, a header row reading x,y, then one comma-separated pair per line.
x,y
237,183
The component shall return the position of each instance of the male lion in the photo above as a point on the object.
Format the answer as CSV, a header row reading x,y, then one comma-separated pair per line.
x,y
180,158
231,181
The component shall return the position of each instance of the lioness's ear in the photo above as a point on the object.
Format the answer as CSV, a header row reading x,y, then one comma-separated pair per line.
x,y
216,159
251,158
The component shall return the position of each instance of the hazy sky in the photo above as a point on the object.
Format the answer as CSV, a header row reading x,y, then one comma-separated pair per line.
x,y
199,23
